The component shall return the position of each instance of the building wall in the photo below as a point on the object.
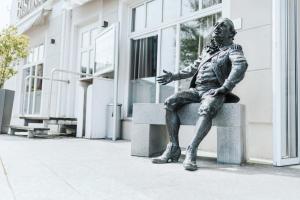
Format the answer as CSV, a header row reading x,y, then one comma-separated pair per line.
x,y
256,90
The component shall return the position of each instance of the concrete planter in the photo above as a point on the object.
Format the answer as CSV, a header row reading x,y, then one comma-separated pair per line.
x,y
6,104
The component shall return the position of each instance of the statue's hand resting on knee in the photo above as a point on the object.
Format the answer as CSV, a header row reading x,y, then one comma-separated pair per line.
x,y
166,78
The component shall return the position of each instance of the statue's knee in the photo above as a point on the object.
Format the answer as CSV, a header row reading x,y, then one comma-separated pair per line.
x,y
170,103
207,110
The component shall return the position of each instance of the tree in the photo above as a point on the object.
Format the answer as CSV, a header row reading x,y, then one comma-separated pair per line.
x,y
13,46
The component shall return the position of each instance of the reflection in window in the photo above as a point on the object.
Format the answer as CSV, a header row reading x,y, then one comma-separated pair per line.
x,y
138,18
193,37
189,6
168,58
170,10
209,3
143,71
154,13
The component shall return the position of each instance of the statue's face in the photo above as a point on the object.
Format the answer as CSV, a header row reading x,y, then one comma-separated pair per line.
x,y
221,30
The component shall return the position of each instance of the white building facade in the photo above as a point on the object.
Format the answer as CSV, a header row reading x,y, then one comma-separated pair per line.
x,y
100,49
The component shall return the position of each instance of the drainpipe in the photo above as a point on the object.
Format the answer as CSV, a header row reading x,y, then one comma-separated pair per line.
x,y
61,60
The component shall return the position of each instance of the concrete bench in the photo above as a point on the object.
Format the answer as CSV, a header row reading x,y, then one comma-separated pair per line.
x,y
230,123
32,131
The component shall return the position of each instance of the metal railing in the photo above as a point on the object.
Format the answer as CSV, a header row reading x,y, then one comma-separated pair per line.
x,y
54,70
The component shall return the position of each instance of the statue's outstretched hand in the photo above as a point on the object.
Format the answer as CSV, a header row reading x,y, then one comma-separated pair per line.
x,y
166,78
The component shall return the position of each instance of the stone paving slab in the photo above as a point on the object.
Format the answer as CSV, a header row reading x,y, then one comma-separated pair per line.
x,y
71,169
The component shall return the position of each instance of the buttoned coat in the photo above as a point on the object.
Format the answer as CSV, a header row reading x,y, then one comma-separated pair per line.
x,y
229,65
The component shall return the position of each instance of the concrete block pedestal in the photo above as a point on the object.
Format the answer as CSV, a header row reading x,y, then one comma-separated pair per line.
x,y
150,137
148,140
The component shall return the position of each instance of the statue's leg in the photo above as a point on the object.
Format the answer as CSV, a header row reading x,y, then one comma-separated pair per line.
x,y
172,104
208,109
173,124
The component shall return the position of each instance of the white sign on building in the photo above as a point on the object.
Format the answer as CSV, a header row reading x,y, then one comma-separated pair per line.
x,y
26,6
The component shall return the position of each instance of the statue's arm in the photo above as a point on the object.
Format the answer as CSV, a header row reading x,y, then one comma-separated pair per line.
x,y
188,71
238,69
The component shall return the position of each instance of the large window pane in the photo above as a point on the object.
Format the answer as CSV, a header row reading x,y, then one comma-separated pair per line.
x,y
92,61
189,6
193,37
168,59
84,62
35,54
30,57
154,13
143,71
26,72
38,90
209,3
138,18
170,10
85,40
105,51
41,52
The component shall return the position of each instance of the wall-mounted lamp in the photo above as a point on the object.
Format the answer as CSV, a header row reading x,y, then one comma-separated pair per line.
x,y
104,24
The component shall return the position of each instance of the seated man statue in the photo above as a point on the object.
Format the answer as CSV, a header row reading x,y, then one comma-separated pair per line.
x,y
215,73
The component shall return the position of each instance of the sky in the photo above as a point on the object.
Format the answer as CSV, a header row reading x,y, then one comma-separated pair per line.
x,y
4,13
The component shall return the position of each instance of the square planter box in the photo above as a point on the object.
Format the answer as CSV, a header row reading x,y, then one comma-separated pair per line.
x,y
6,104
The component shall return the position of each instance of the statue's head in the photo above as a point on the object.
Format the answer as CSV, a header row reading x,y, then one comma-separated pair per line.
x,y
224,30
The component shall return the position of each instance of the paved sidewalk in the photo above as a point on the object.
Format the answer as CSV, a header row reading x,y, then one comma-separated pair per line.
x,y
73,169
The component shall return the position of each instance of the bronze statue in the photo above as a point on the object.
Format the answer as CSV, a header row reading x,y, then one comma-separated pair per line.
x,y
215,73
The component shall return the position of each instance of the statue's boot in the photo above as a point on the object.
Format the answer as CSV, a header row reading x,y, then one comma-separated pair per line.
x,y
189,162
171,154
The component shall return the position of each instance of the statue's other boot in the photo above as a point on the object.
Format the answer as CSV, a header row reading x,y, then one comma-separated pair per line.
x,y
171,154
189,162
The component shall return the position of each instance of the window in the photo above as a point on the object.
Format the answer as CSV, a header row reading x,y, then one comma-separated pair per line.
x,y
168,59
154,13
33,86
189,6
87,36
170,10
105,51
193,37
138,18
143,67
209,3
